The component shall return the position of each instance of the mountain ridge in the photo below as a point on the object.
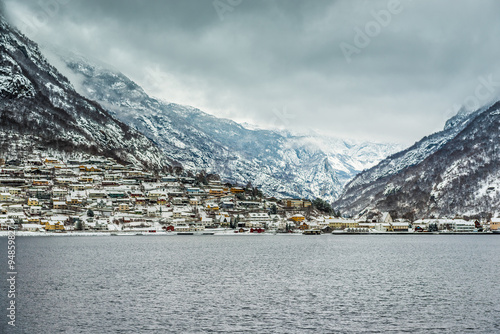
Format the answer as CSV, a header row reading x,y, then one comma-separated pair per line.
x,y
437,176
39,103
280,163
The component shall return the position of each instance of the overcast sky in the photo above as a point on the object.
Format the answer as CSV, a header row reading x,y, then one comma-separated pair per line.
x,y
323,65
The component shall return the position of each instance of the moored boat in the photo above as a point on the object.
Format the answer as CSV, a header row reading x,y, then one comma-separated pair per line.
x,y
312,232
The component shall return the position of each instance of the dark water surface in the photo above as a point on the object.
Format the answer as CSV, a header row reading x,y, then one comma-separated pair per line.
x,y
255,284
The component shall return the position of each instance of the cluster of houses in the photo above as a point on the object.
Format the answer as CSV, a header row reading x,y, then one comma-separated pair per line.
x,y
99,194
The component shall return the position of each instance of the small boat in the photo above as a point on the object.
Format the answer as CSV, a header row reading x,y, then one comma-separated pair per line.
x,y
241,230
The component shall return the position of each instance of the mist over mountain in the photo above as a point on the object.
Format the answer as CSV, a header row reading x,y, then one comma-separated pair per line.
x,y
279,162
39,108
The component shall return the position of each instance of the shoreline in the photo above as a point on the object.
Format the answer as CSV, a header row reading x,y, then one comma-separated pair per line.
x,y
212,233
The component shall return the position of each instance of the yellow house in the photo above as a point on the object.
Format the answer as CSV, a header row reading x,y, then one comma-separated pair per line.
x,y
59,205
336,225
33,201
14,191
236,190
342,224
154,195
398,227
73,201
86,179
212,207
40,182
5,197
298,218
294,203
123,207
89,169
51,161
54,226
303,227
216,192
495,224
351,224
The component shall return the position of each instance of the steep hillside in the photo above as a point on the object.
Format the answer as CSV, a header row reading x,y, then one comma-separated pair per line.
x,y
39,105
455,171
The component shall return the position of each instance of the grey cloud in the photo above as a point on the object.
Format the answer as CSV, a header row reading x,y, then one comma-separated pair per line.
x,y
267,55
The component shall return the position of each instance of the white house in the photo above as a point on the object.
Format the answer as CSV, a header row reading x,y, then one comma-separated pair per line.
x,y
35,210
460,225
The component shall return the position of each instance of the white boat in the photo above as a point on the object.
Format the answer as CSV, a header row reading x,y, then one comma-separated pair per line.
x,y
219,231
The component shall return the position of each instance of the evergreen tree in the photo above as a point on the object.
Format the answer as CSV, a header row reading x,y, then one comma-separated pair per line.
x,y
79,225
323,206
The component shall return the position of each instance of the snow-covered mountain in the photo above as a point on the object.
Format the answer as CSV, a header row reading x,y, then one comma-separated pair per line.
x,y
40,108
282,164
455,171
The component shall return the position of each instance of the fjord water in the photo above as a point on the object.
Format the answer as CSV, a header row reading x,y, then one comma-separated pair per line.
x,y
256,284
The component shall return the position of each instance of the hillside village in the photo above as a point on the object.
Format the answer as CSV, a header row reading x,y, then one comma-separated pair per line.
x,y
45,194
98,194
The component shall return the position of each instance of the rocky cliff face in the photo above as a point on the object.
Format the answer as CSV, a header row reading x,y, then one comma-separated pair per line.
x,y
39,107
